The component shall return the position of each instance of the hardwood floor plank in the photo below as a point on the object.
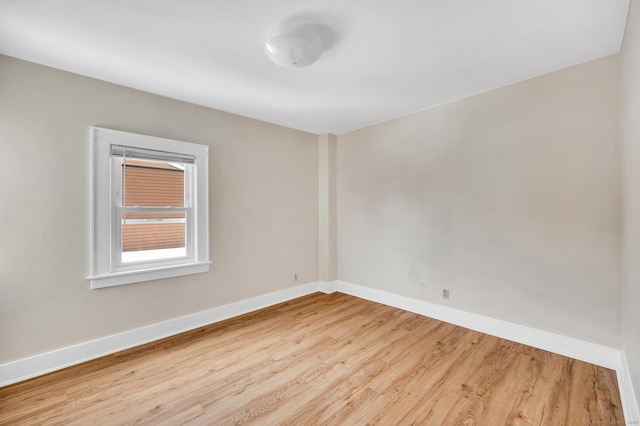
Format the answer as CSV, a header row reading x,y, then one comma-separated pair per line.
x,y
321,360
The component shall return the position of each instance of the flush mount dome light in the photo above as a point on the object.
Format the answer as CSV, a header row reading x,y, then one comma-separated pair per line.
x,y
292,51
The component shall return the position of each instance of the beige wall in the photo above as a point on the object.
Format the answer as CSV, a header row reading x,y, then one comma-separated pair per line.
x,y
631,194
327,207
263,203
510,199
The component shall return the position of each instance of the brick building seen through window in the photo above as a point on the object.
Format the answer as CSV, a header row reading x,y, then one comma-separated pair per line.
x,y
152,184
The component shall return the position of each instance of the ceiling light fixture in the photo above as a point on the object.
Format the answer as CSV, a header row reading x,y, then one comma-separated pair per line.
x,y
292,51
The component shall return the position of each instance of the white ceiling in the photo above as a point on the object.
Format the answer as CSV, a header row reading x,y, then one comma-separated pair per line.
x,y
382,59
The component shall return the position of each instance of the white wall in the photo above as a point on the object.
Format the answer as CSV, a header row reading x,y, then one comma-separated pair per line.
x,y
510,199
263,203
631,194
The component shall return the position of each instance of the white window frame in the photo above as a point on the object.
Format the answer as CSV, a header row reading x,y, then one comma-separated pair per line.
x,y
106,267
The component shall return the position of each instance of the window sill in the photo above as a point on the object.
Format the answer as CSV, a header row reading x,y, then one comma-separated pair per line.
x,y
130,277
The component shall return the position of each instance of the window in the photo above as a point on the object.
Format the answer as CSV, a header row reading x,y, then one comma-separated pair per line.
x,y
149,208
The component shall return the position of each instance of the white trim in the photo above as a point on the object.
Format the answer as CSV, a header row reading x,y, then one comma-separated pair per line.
x,y
129,277
328,286
37,365
567,346
627,394
26,368
574,348
106,265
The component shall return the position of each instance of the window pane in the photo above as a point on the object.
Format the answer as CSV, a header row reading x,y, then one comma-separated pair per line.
x,y
152,236
152,183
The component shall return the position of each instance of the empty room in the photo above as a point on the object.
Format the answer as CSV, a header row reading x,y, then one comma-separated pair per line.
x,y
320,212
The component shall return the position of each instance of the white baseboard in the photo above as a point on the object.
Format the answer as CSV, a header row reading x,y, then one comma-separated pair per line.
x,y
627,394
26,368
23,369
574,348
578,349
328,286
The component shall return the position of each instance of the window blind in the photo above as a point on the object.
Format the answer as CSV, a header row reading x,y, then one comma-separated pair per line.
x,y
150,154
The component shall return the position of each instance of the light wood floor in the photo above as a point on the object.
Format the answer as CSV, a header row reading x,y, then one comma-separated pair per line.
x,y
322,359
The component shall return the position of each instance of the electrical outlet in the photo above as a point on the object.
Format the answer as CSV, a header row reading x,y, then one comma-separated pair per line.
x,y
445,293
